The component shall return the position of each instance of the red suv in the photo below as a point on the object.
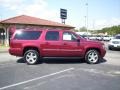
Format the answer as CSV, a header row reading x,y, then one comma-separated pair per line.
x,y
36,44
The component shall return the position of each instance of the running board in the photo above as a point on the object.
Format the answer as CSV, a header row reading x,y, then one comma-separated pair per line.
x,y
62,57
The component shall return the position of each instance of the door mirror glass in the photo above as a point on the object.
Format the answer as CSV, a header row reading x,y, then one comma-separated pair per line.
x,y
78,40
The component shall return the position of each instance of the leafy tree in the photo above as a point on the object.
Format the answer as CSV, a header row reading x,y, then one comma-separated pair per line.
x,y
110,30
83,29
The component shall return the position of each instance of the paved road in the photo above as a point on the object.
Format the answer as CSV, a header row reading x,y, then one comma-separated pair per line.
x,y
111,57
57,74
6,57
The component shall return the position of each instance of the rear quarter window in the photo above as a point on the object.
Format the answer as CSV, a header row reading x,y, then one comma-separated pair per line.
x,y
117,37
27,35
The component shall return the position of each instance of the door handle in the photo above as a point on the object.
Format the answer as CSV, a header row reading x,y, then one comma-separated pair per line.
x,y
64,43
46,43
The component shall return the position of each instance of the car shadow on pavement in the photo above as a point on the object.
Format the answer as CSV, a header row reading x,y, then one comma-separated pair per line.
x,y
115,50
21,60
61,61
55,61
68,61
102,61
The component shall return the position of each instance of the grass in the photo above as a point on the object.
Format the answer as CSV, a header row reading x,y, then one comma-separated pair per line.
x,y
3,46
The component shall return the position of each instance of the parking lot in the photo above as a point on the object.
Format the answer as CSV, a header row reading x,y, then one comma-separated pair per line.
x,y
112,56
59,74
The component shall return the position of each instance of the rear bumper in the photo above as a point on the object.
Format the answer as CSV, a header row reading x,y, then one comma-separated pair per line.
x,y
16,51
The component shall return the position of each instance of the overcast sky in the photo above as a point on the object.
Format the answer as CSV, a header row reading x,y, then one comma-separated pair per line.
x,y
101,13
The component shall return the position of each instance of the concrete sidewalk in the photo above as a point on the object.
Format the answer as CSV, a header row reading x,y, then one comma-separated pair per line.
x,y
6,57
4,49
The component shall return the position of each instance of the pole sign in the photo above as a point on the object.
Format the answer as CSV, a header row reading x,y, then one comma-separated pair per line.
x,y
63,13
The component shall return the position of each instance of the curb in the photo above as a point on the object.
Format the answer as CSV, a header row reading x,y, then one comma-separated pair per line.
x,y
3,51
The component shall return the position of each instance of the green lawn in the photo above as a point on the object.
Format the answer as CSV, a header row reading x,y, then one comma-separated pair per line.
x,y
3,47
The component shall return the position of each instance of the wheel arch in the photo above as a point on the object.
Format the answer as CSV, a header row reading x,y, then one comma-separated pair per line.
x,y
30,48
97,49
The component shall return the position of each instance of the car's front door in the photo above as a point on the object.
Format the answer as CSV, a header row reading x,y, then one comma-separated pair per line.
x,y
71,46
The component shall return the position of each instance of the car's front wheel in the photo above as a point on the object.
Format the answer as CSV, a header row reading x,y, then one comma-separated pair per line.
x,y
109,48
31,57
92,56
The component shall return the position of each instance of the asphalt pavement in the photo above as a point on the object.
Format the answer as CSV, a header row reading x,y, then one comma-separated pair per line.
x,y
60,74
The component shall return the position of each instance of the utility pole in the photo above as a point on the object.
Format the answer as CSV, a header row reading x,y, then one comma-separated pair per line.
x,y
85,22
87,17
93,24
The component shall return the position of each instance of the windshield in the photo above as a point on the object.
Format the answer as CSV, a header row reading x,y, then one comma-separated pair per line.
x,y
117,37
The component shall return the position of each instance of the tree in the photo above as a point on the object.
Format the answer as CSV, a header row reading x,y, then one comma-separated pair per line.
x,y
83,29
110,30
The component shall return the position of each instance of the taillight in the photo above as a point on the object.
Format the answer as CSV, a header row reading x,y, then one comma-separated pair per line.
x,y
10,42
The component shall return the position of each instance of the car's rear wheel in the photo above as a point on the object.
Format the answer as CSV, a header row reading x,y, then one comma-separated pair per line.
x,y
92,56
31,57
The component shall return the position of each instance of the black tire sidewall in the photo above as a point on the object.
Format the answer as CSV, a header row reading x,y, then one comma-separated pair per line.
x,y
86,56
34,51
109,48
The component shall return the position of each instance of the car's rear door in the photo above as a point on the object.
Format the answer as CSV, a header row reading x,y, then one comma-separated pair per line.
x,y
51,44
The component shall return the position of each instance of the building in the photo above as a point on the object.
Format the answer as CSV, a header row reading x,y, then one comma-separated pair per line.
x,y
8,26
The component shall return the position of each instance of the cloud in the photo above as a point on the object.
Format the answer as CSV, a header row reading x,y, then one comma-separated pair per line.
x,y
102,23
10,4
37,8
40,8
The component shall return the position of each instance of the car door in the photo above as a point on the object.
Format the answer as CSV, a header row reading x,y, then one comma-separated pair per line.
x,y
51,44
71,46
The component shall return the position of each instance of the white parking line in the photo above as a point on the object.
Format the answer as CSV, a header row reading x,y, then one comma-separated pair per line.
x,y
24,82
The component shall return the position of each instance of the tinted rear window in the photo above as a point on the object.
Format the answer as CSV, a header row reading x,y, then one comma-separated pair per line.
x,y
27,35
117,37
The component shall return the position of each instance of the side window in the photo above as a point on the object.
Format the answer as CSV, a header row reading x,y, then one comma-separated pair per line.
x,y
27,35
69,36
52,35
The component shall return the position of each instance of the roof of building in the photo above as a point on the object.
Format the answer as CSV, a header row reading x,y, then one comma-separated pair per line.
x,y
24,19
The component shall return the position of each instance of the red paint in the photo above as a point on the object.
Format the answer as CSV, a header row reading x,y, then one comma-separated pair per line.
x,y
58,48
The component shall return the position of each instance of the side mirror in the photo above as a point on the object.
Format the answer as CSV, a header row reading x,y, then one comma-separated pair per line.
x,y
78,40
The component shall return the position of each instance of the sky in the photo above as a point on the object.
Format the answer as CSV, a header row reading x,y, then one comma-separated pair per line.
x,y
97,15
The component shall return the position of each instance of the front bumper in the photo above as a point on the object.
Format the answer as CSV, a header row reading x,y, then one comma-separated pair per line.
x,y
116,46
103,52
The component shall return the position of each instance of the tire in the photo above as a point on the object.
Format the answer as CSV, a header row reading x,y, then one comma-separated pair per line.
x,y
109,48
31,57
92,56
